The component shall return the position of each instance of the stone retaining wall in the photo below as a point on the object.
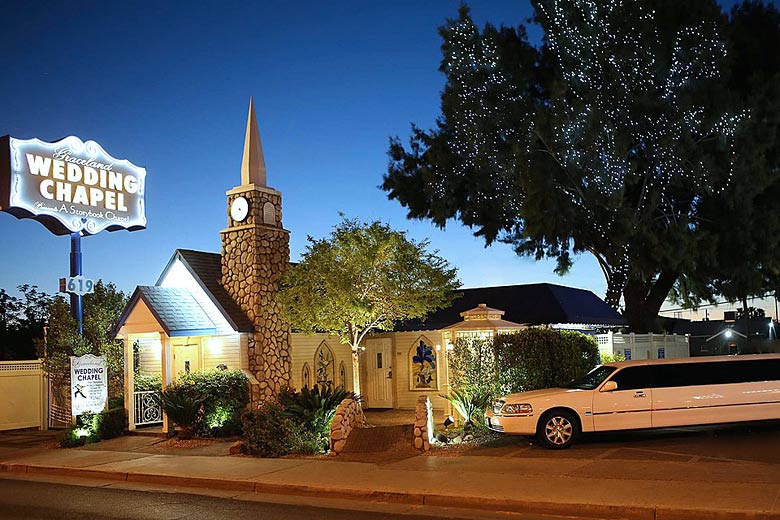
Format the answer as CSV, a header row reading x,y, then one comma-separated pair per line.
x,y
423,424
349,415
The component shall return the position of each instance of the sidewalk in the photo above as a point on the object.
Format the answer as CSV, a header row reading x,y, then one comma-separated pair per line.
x,y
640,489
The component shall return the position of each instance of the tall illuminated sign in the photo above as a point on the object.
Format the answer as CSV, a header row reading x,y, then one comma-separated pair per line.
x,y
70,186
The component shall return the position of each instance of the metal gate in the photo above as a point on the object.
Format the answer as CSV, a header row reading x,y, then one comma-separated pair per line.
x,y
147,408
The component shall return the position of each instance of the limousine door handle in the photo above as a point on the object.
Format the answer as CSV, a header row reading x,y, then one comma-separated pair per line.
x,y
639,394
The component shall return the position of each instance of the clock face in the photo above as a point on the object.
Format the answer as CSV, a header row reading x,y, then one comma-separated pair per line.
x,y
239,209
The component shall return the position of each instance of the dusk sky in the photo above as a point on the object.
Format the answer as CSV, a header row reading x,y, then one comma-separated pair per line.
x,y
168,87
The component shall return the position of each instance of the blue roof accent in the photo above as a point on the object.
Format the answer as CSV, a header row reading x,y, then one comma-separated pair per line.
x,y
175,309
529,304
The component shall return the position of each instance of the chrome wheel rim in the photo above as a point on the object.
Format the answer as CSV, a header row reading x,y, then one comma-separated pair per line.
x,y
558,430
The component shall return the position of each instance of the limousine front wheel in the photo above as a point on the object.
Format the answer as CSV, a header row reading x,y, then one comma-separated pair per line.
x,y
558,429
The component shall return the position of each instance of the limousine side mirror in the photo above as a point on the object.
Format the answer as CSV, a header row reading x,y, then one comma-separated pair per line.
x,y
609,386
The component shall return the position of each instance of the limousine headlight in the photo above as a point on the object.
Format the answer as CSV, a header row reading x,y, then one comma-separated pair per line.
x,y
517,409
497,405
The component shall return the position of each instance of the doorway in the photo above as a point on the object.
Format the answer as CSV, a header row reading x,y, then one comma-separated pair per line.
x,y
186,356
379,368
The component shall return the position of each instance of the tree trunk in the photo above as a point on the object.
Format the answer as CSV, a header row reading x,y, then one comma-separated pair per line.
x,y
746,317
643,300
356,370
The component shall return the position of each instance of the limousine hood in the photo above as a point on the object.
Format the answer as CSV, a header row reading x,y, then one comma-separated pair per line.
x,y
523,397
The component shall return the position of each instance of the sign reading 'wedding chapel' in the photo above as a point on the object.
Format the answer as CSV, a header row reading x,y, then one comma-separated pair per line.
x,y
88,384
70,186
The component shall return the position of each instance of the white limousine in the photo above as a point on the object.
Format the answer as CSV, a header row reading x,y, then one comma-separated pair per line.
x,y
645,394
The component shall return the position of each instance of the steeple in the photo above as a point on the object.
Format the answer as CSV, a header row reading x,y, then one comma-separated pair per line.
x,y
253,162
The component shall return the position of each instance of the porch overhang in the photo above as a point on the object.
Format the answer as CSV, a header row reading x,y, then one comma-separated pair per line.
x,y
173,311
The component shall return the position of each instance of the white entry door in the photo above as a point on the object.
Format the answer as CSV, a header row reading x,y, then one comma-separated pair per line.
x,y
379,365
186,358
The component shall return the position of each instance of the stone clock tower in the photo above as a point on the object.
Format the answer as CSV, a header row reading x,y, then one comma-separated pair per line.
x,y
255,255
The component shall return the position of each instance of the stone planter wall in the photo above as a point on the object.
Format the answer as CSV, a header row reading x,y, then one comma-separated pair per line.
x,y
349,415
423,424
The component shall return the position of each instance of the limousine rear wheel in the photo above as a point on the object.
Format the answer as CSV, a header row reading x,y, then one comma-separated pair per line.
x,y
558,429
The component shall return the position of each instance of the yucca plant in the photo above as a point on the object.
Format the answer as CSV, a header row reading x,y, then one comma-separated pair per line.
x,y
313,406
469,403
182,406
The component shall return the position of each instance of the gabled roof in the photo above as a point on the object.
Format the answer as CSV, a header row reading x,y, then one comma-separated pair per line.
x,y
206,269
174,309
532,304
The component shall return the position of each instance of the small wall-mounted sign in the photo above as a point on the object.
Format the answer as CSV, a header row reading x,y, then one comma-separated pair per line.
x,y
77,285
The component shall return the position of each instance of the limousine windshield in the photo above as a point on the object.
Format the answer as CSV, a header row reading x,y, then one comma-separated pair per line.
x,y
592,379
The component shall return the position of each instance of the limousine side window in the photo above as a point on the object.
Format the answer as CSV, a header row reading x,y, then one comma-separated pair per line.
x,y
633,378
716,373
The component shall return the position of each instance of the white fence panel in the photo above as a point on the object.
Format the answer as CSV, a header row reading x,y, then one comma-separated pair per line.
x,y
644,346
23,395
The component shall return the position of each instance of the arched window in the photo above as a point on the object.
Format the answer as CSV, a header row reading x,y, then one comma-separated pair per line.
x,y
324,365
269,214
342,375
306,376
422,366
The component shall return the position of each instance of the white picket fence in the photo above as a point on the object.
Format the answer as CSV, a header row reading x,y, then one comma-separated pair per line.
x,y
644,346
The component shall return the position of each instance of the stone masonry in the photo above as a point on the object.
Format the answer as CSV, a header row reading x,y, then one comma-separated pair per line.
x,y
255,255
349,415
423,424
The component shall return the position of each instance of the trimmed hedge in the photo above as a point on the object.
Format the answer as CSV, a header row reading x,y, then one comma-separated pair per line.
x,y
226,394
536,358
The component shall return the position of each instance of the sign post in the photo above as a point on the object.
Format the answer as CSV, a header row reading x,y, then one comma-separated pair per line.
x,y
76,302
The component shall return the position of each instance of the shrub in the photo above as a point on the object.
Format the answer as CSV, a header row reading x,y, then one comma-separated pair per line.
x,y
148,382
182,404
268,431
226,395
611,358
536,358
470,403
109,424
94,428
313,409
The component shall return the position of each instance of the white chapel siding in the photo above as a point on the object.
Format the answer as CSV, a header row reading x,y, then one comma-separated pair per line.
x,y
178,275
403,342
304,346
222,350
149,355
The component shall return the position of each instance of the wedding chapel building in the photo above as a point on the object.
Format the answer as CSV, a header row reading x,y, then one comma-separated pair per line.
x,y
219,310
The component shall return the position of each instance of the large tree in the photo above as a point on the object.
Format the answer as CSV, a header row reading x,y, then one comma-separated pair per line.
x,y
364,277
607,138
22,321
102,309
739,231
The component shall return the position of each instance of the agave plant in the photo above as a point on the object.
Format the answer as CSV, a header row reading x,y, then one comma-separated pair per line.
x,y
182,406
314,407
469,402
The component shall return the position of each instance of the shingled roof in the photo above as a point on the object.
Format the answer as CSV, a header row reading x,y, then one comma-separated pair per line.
x,y
529,304
206,268
175,310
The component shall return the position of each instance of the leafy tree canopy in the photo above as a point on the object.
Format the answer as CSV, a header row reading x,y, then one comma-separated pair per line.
x,y
102,309
22,321
608,138
364,277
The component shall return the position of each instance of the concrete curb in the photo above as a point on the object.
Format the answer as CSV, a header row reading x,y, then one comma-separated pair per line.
x,y
612,511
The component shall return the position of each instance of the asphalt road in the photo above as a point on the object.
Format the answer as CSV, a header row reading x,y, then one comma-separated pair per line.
x,y
37,500
47,501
